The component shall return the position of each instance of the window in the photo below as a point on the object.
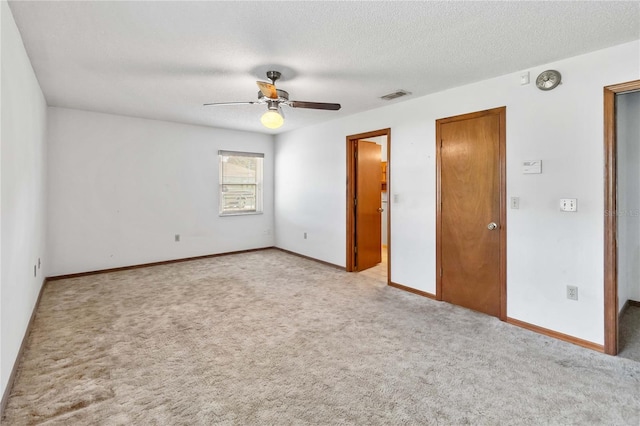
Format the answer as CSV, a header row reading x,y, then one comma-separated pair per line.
x,y
240,182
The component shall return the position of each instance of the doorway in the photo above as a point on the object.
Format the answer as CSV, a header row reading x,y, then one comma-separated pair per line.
x,y
368,212
619,214
471,211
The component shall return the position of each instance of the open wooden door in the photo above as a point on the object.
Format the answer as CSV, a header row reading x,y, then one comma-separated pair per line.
x,y
368,205
364,201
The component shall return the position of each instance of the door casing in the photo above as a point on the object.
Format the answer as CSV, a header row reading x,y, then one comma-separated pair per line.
x,y
502,114
351,192
610,220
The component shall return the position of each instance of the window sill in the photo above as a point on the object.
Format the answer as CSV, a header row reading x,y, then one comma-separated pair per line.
x,y
240,214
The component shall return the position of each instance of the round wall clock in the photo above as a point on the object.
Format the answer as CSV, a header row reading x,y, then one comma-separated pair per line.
x,y
548,80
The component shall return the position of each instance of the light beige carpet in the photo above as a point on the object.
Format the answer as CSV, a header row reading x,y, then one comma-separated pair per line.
x,y
270,338
629,341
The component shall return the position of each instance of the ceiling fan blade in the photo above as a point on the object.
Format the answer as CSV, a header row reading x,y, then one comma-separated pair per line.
x,y
314,105
268,89
230,103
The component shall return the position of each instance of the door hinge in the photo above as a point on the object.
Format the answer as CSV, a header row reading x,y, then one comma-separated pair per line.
x,y
441,271
355,202
355,154
355,249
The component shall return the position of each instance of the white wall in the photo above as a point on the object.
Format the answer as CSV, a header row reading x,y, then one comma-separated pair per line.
x,y
547,249
121,188
628,137
22,191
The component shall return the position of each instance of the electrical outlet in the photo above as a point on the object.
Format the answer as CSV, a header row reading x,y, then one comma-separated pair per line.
x,y
177,238
572,292
569,204
305,235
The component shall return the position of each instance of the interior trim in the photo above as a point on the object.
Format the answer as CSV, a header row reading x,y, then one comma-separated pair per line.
x,y
610,220
146,265
626,306
23,345
351,191
556,335
333,265
413,290
536,329
623,310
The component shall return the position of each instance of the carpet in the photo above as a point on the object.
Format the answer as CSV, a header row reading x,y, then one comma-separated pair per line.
x,y
266,338
629,340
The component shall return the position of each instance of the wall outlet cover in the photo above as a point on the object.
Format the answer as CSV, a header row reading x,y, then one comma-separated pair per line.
x,y
532,167
572,292
515,202
569,204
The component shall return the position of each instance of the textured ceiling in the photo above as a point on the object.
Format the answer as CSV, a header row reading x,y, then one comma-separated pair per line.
x,y
163,60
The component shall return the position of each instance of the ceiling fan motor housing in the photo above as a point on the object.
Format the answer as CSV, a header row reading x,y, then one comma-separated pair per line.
x,y
273,76
282,96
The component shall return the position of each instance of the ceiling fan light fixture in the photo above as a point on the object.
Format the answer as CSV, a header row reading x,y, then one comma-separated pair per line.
x,y
272,119
274,98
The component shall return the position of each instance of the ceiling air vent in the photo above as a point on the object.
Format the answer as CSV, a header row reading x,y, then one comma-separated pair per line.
x,y
394,95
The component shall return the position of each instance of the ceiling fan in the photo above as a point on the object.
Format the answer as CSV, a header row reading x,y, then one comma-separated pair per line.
x,y
274,98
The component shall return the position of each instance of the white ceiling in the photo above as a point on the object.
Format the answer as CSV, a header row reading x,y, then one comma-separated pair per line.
x,y
163,60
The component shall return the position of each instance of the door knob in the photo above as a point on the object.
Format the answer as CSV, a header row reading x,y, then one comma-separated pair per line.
x,y
492,226
380,210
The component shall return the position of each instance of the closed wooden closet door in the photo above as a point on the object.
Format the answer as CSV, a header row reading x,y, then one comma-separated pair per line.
x,y
470,212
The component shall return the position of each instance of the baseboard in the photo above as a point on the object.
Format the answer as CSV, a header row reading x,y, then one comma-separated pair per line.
x,y
526,325
23,344
413,290
146,265
623,310
333,265
556,335
626,306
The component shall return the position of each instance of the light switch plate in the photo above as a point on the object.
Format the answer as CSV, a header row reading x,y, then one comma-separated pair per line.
x,y
568,204
515,202
532,167
524,78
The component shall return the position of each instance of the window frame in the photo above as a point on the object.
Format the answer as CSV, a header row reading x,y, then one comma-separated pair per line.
x,y
222,184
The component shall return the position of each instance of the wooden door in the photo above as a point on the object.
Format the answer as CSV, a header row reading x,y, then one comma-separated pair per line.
x,y
368,205
471,186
